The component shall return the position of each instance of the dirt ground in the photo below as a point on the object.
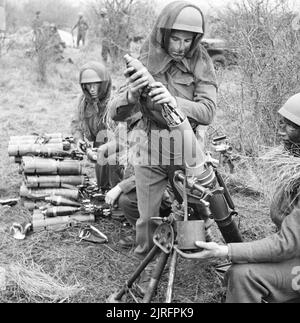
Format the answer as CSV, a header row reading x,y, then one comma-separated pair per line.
x,y
95,270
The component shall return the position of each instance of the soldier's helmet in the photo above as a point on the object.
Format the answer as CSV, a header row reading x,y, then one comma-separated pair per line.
x,y
189,19
103,12
291,109
80,14
89,76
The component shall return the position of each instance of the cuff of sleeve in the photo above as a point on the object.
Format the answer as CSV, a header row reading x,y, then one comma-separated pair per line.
x,y
240,253
127,185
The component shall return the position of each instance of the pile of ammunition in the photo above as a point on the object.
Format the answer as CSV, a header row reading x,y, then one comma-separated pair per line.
x,y
44,177
53,179
47,145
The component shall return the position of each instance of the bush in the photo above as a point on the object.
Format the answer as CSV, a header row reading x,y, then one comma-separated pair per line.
x,y
268,70
125,21
63,13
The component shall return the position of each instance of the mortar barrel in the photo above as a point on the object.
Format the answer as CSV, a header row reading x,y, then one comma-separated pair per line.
x,y
193,153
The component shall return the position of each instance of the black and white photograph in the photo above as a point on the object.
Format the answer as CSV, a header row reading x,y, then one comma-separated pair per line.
x,y
150,154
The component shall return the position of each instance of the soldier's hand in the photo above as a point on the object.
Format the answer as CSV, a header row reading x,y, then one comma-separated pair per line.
x,y
137,81
113,195
160,95
81,146
210,251
91,155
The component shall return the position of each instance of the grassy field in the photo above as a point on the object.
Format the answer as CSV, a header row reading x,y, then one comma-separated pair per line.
x,y
80,272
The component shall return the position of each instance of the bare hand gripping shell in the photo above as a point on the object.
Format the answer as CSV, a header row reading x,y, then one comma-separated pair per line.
x,y
194,157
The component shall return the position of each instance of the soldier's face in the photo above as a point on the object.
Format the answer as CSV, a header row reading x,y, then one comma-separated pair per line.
x,y
290,131
93,89
180,44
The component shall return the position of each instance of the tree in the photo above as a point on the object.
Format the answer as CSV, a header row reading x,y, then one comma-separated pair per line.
x,y
124,21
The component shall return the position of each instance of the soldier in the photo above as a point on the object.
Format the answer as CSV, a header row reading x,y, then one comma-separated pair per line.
x,y
267,269
124,194
37,22
55,43
37,26
89,120
186,81
82,27
105,51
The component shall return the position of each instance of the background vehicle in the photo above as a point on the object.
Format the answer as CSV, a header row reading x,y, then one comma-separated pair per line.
x,y
217,48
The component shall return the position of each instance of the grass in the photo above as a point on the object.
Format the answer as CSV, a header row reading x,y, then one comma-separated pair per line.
x,y
80,272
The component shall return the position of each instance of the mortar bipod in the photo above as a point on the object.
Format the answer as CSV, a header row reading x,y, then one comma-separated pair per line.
x,y
187,232
165,239
163,243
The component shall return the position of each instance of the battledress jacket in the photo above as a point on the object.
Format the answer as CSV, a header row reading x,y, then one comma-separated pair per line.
x,y
192,80
194,98
91,124
128,184
281,246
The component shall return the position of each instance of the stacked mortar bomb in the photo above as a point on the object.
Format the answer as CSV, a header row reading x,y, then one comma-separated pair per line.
x,y
44,177
35,145
50,185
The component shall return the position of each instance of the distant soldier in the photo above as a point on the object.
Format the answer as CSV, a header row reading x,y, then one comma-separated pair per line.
x,y
82,27
37,22
56,44
105,52
37,25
